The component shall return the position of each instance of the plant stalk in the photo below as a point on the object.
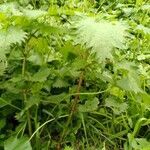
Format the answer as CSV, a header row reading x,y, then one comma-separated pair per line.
x,y
25,95
73,110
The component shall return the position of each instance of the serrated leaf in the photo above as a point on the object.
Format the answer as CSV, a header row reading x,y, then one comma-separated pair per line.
x,y
90,105
116,106
39,44
141,144
130,80
33,14
33,100
36,59
68,148
56,99
101,36
59,83
47,29
117,92
14,143
129,84
41,75
146,7
12,35
10,9
144,29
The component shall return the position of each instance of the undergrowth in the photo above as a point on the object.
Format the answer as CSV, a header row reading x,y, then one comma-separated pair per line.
x,y
74,75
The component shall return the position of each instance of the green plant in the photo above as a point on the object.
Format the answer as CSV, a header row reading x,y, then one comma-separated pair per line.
x,y
74,75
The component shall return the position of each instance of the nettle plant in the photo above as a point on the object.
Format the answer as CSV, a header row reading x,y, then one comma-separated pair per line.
x,y
67,81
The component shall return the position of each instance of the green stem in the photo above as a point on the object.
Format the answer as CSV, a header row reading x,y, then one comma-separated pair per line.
x,y
44,125
36,127
25,95
85,132
73,109
28,115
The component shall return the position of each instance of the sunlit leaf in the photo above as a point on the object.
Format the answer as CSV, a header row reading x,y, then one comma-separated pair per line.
x,y
14,143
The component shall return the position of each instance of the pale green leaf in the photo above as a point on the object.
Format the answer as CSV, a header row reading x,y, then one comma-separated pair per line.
x,y
141,144
129,84
56,99
14,143
116,106
90,105
130,80
101,36
12,35
144,29
68,148
36,59
41,75
33,14
10,8
59,83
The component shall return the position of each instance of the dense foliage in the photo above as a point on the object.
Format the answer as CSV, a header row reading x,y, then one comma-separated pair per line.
x,y
74,75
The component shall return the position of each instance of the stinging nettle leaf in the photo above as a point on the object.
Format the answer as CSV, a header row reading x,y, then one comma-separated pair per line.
x,y
12,35
59,83
33,14
14,143
116,106
90,105
10,8
129,84
41,75
101,36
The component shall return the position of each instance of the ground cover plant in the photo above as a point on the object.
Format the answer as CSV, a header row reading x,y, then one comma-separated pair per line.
x,y
74,75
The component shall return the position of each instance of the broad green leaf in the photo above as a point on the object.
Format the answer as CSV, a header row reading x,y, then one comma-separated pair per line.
x,y
36,59
59,83
47,29
2,123
144,29
116,106
90,105
101,36
56,99
56,10
146,99
130,80
41,75
146,7
139,2
10,9
40,45
141,144
33,14
129,84
14,143
143,57
117,92
12,35
33,100
68,148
